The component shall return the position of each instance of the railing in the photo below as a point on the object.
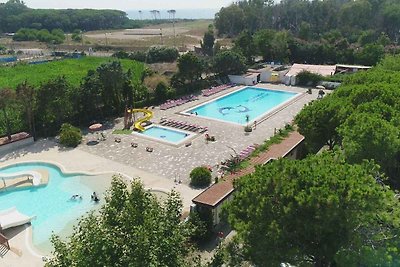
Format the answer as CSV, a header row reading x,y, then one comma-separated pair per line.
x,y
4,241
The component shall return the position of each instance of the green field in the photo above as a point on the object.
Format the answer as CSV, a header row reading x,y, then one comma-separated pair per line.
x,y
73,69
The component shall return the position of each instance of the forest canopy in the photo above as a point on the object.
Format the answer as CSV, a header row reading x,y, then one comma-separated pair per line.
x,y
14,15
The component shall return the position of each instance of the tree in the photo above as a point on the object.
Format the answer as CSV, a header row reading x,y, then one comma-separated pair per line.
x,y
244,44
229,62
368,136
320,211
370,54
7,98
70,136
161,92
27,97
318,122
207,45
190,67
54,105
132,229
200,176
112,79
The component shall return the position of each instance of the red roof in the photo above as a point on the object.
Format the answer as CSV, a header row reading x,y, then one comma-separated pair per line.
x,y
216,193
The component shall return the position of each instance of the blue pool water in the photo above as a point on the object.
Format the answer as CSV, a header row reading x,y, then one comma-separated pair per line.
x,y
50,204
169,135
251,101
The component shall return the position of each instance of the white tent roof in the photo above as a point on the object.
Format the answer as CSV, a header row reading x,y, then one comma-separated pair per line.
x,y
324,70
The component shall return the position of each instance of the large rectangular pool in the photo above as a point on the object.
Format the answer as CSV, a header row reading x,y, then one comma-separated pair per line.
x,y
251,102
166,135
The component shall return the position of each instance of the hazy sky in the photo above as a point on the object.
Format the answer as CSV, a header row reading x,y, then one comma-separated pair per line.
x,y
127,4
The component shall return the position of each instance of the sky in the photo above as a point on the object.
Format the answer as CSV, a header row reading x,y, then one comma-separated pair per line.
x,y
128,4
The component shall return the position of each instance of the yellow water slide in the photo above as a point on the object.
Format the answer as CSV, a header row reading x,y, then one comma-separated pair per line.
x,y
147,116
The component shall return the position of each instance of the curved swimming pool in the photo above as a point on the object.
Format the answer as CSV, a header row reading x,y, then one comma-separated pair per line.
x,y
51,204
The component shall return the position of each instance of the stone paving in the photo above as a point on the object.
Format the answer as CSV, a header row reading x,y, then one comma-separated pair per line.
x,y
176,162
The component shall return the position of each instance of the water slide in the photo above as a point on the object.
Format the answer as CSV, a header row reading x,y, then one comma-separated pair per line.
x,y
36,177
148,116
12,218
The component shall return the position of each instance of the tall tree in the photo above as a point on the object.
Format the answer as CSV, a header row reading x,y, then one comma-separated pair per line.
x,y
132,229
207,45
319,211
229,62
54,105
190,67
27,98
7,98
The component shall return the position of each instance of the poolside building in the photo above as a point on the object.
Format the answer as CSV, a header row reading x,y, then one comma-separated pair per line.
x,y
323,70
217,194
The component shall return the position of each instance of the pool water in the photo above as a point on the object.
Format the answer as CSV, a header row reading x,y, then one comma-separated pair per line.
x,y
51,204
165,134
249,101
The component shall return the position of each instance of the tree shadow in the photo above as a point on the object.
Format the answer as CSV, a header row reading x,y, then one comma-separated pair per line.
x,y
35,148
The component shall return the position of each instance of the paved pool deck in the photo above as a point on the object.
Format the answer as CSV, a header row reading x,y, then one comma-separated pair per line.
x,y
160,169
172,162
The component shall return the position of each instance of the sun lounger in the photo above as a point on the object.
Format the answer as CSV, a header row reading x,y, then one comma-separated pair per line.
x,y
12,217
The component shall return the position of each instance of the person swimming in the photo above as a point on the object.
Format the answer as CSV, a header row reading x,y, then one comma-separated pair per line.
x,y
94,197
75,197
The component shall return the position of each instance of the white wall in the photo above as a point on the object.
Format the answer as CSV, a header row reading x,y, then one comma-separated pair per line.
x,y
238,79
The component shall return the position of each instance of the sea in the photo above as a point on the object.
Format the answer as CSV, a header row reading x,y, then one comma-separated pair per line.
x,y
205,13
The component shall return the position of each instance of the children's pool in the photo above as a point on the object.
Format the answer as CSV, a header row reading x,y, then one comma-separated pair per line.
x,y
51,204
243,106
164,134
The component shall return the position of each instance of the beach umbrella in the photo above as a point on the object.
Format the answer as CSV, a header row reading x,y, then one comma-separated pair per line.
x,y
95,127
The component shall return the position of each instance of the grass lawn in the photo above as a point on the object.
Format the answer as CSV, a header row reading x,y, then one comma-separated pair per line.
x,y
73,69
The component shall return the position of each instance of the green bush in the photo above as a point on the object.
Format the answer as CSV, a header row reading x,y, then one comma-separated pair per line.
x,y
138,56
162,54
306,78
200,176
70,136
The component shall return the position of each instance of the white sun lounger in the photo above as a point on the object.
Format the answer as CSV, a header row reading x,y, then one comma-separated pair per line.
x,y
12,217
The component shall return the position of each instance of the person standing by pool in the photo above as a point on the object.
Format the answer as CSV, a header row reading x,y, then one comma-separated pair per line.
x,y
255,125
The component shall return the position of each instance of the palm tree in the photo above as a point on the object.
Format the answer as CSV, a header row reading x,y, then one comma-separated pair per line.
x,y
7,97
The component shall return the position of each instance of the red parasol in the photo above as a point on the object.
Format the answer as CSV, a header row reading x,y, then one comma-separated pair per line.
x,y
95,127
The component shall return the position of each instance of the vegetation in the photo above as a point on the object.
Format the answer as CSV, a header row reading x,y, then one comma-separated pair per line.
x,y
14,15
74,70
59,92
319,211
229,62
316,32
154,54
56,36
131,229
306,78
200,177
161,54
70,136
361,116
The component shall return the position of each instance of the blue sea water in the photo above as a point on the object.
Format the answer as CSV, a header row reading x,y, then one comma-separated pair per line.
x,y
206,13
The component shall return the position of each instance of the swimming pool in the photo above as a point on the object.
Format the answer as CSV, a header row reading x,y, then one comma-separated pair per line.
x,y
253,102
51,204
168,135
